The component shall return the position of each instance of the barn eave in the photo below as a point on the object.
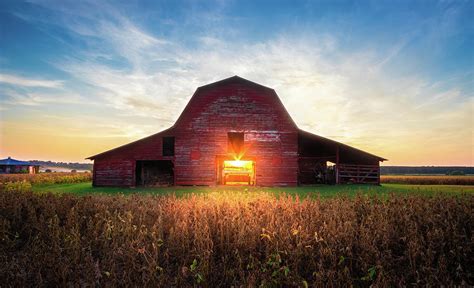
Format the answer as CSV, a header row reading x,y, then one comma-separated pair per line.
x,y
339,144
116,149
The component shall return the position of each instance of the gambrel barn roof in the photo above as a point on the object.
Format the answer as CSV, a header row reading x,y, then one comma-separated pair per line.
x,y
308,141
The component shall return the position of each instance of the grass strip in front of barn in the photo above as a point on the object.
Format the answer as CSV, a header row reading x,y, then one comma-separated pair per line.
x,y
323,191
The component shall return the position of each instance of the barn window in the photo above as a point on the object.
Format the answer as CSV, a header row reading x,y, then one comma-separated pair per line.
x,y
235,143
168,146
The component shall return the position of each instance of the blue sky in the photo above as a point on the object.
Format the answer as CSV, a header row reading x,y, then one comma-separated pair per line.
x,y
391,77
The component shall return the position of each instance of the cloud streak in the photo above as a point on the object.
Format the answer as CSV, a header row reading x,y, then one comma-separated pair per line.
x,y
350,96
29,82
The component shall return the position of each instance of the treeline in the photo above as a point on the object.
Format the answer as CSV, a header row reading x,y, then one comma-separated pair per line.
x,y
428,170
70,165
384,170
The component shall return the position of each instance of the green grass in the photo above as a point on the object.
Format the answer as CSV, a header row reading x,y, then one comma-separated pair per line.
x,y
325,191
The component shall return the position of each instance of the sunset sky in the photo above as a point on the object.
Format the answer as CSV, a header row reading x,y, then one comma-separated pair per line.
x,y
394,78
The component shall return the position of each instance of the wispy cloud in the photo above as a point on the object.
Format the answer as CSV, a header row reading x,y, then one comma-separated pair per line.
x,y
339,96
13,97
29,82
350,96
334,94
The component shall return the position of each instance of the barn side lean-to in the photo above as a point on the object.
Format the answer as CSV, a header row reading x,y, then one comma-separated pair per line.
x,y
234,131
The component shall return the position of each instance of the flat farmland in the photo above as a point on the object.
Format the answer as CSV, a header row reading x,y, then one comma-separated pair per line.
x,y
62,234
429,179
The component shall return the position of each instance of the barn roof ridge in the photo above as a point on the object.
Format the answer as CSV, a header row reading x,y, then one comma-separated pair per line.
x,y
234,78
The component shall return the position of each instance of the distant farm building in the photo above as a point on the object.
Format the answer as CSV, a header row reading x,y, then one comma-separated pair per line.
x,y
12,166
234,131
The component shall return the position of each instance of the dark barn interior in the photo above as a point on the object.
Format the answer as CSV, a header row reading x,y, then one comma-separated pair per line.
x,y
154,173
326,161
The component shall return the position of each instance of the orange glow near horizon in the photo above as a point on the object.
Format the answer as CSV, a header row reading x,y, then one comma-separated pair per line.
x,y
72,138
33,139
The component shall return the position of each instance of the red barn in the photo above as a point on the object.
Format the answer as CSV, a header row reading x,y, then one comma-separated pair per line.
x,y
234,131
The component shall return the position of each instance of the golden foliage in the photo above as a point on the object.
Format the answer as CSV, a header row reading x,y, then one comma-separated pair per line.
x,y
47,178
235,239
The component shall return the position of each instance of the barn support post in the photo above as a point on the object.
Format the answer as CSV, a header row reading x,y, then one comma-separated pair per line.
x,y
142,174
174,170
134,174
93,174
337,165
378,174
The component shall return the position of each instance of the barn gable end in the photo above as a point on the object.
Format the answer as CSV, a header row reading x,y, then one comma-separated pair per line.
x,y
235,105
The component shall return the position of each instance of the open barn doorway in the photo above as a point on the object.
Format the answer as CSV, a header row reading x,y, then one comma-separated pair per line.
x,y
314,170
154,173
236,172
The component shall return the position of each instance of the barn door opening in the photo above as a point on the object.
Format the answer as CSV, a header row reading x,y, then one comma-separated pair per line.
x,y
315,170
154,173
237,172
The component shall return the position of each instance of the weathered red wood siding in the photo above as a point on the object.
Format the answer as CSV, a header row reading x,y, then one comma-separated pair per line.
x,y
117,167
270,135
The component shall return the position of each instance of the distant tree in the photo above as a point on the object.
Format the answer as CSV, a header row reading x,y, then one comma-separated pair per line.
x,y
73,171
76,166
48,171
428,170
456,172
